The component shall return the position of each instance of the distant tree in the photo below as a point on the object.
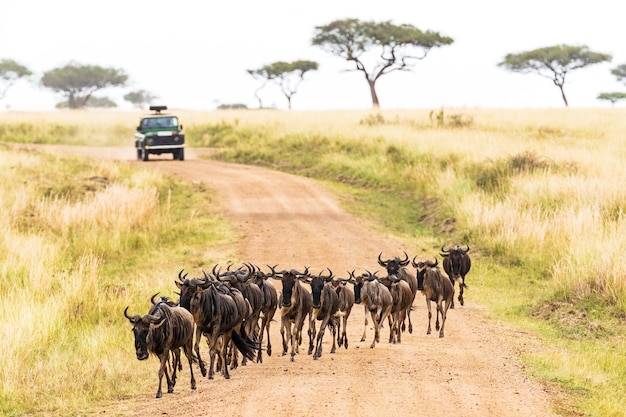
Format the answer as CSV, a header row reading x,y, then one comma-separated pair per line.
x,y
288,75
620,73
554,62
79,82
393,47
612,97
10,72
264,75
93,102
140,99
232,106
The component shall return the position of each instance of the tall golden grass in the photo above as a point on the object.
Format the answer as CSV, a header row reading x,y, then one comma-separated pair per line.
x,y
539,194
77,244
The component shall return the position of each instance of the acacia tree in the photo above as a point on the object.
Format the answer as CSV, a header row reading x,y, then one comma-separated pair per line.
x,y
620,72
553,62
612,97
139,98
289,75
10,72
264,75
79,82
391,47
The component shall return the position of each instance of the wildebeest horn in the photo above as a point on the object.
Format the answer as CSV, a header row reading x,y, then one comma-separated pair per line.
x,y
133,319
273,269
216,274
468,248
432,265
182,277
154,319
443,250
380,261
406,259
152,298
415,264
329,277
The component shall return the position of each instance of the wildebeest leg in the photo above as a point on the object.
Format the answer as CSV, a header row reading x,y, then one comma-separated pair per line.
x,y
381,319
461,286
408,316
197,349
189,354
344,334
212,352
293,333
334,329
430,315
259,356
364,326
227,341
453,283
339,334
296,334
268,321
285,327
234,356
175,355
373,315
164,358
443,316
439,311
312,333
320,338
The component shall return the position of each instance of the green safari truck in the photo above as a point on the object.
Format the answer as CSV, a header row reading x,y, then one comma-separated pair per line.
x,y
160,133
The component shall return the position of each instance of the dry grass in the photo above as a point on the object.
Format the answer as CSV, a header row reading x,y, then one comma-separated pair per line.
x,y
538,193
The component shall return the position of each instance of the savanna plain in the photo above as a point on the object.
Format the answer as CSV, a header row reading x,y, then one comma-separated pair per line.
x,y
538,195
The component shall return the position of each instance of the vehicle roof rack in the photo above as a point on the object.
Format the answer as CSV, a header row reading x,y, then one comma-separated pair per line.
x,y
158,109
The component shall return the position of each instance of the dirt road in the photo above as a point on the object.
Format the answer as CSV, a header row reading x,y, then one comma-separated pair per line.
x,y
474,370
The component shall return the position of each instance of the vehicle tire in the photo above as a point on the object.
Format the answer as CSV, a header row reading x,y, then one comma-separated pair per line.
x,y
181,155
138,153
144,154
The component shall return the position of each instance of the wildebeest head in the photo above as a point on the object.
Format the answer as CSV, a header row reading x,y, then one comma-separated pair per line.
x,y
187,287
141,328
455,256
317,285
358,281
288,279
421,268
393,265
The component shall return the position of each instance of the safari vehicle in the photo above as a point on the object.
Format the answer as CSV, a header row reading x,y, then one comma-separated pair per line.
x,y
159,133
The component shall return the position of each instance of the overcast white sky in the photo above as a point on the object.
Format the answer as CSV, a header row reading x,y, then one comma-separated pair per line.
x,y
194,54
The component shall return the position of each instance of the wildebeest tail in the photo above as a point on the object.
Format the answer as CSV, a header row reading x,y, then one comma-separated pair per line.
x,y
246,346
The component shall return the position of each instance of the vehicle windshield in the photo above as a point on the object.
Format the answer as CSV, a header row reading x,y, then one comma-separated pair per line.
x,y
165,121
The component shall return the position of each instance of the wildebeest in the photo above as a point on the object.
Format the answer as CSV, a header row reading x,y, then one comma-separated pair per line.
x,y
295,306
166,328
396,266
242,279
270,303
375,298
346,302
402,302
457,263
216,319
324,308
437,288
218,312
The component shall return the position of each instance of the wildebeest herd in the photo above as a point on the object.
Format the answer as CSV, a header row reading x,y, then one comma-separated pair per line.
x,y
233,310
